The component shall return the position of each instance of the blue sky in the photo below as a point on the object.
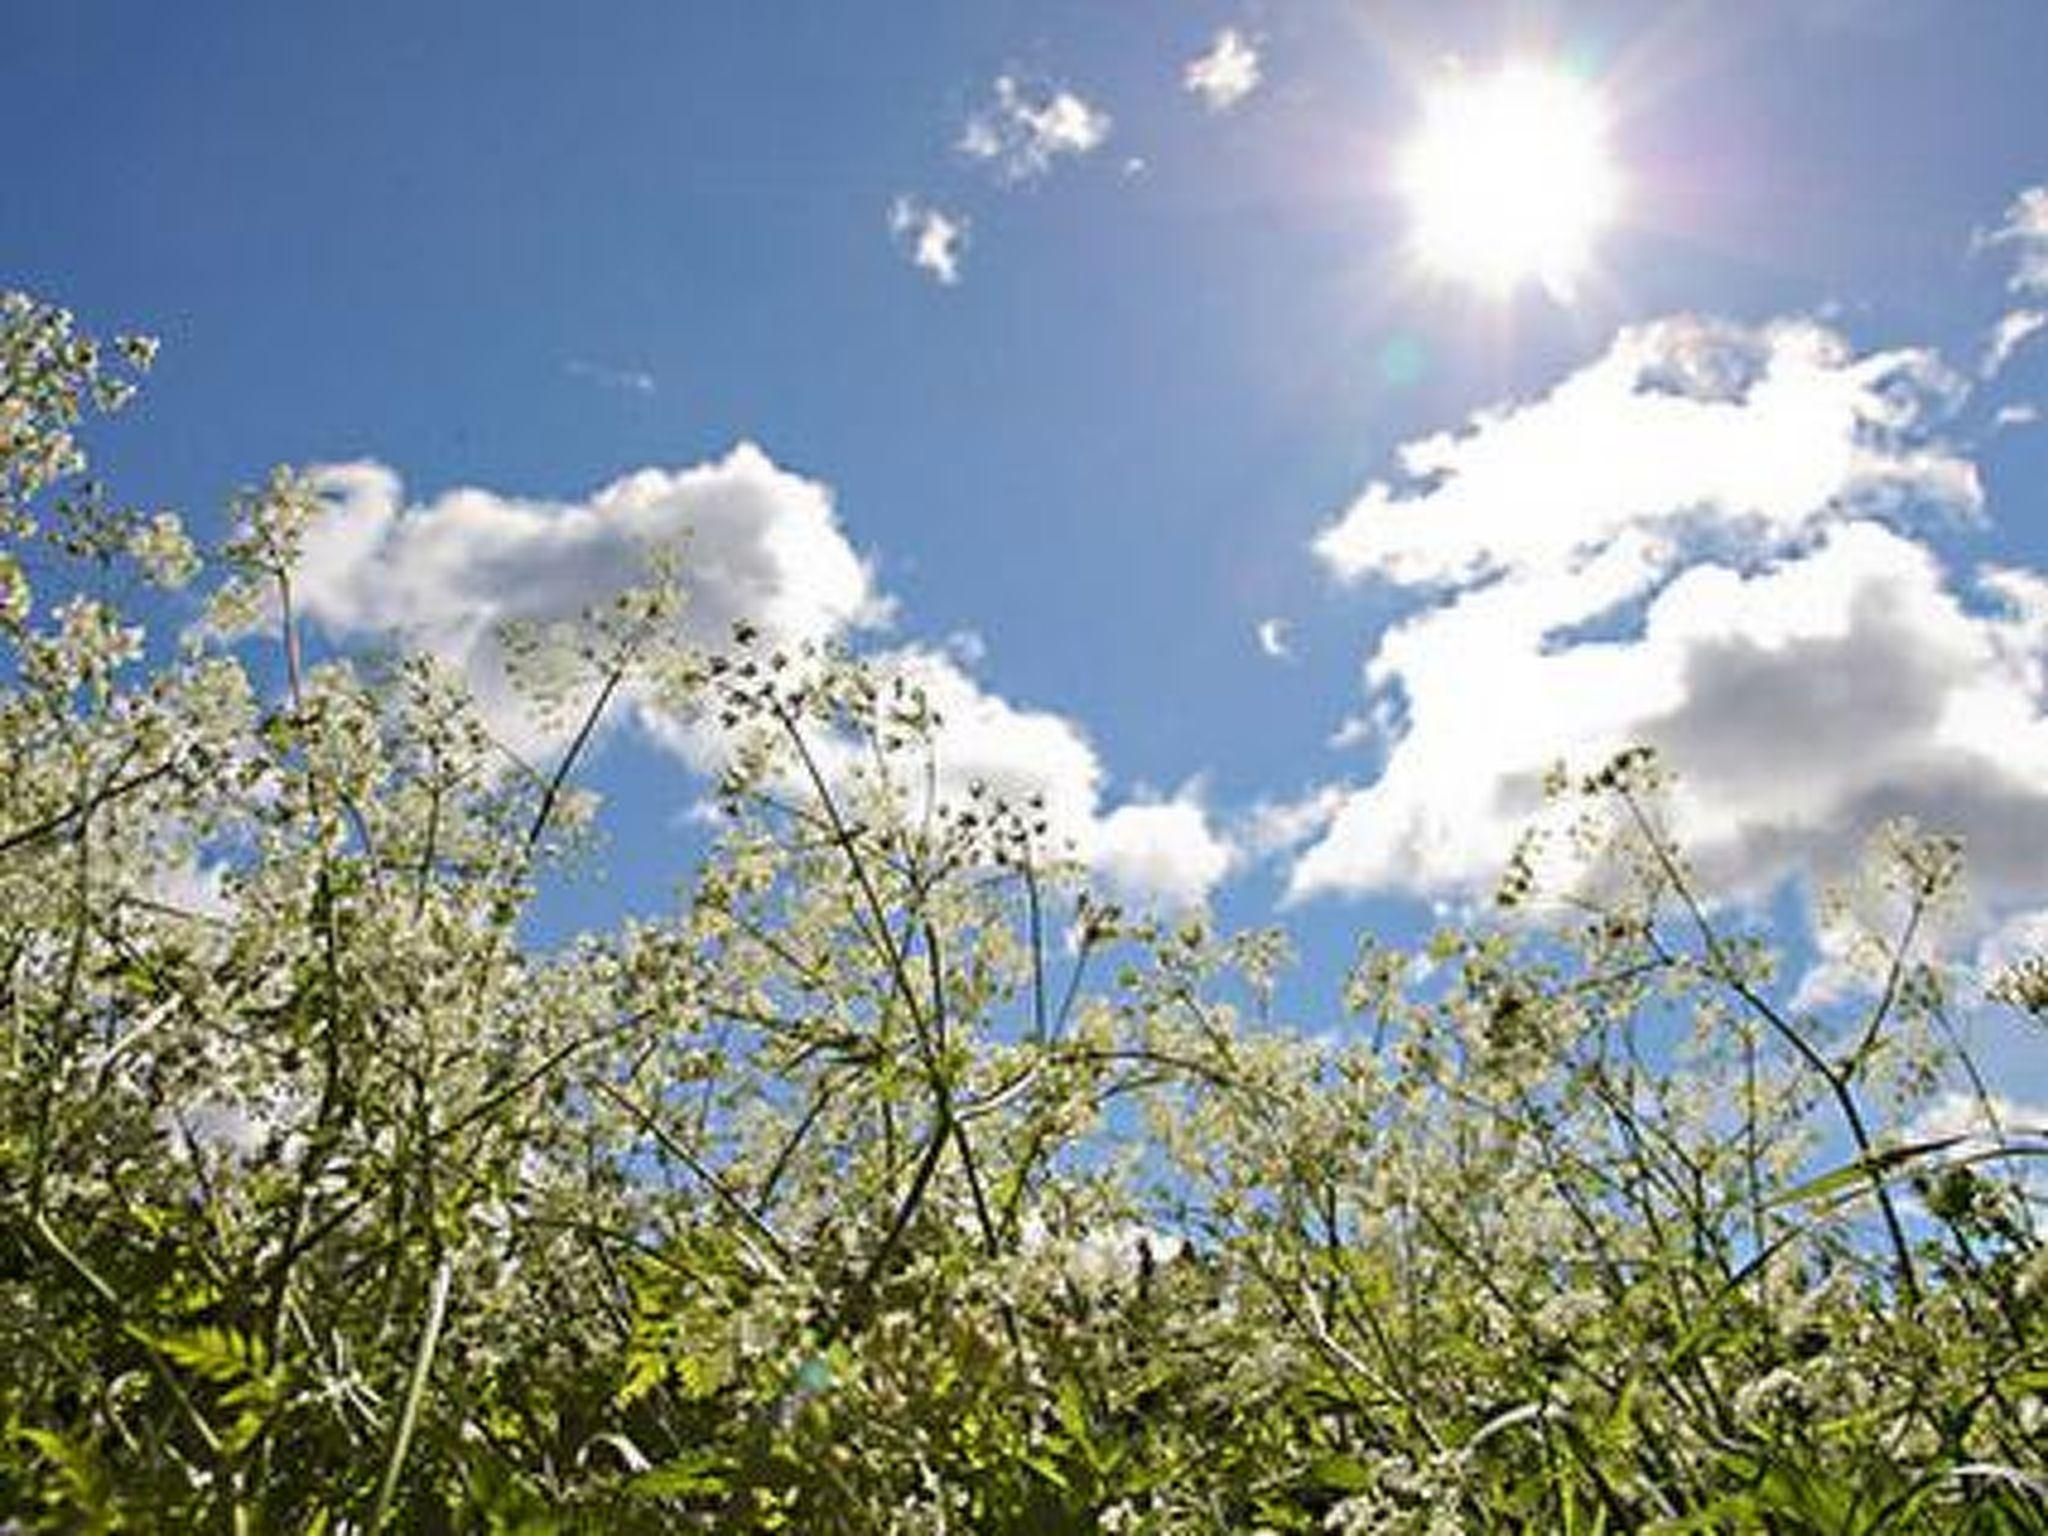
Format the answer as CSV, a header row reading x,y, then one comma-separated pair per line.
x,y
1164,387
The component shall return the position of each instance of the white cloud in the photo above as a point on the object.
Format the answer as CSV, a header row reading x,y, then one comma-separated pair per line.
x,y
1018,753
2026,230
1801,704
1360,730
1022,133
2023,414
1683,423
967,647
2012,331
1810,673
1984,1124
1165,851
755,542
1272,638
933,241
2020,937
2002,1136
1144,851
1277,827
1227,73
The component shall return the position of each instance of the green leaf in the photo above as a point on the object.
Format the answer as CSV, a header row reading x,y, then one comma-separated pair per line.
x,y
221,1355
1342,1474
693,1475
1852,1176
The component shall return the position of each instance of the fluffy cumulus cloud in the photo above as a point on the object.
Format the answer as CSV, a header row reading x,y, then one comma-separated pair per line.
x,y
1227,73
1164,850
1683,425
754,542
758,543
1146,851
1023,132
931,240
1695,542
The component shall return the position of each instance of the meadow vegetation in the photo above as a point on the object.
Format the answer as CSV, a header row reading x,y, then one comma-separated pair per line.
x,y
890,1181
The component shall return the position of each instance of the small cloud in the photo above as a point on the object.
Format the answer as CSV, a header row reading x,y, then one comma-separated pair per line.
x,y
1135,166
2024,414
1162,853
1022,134
1273,639
2010,334
633,380
1227,73
700,814
2026,230
932,241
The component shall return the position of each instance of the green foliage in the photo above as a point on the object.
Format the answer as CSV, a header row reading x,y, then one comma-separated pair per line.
x,y
890,1183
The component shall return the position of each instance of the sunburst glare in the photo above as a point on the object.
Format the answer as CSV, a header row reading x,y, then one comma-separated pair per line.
x,y
1509,178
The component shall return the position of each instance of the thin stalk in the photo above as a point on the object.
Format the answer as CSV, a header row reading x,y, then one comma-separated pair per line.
x,y
560,776
854,1308
82,810
1838,1086
415,1394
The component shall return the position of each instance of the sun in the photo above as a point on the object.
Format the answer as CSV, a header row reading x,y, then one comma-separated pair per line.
x,y
1509,179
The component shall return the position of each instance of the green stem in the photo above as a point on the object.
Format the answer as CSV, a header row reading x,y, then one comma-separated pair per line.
x,y
415,1393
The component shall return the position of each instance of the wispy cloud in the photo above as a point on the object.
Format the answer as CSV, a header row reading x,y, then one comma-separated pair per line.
x,y
1276,827
635,381
2025,233
1021,133
2010,334
933,241
1273,641
1227,73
